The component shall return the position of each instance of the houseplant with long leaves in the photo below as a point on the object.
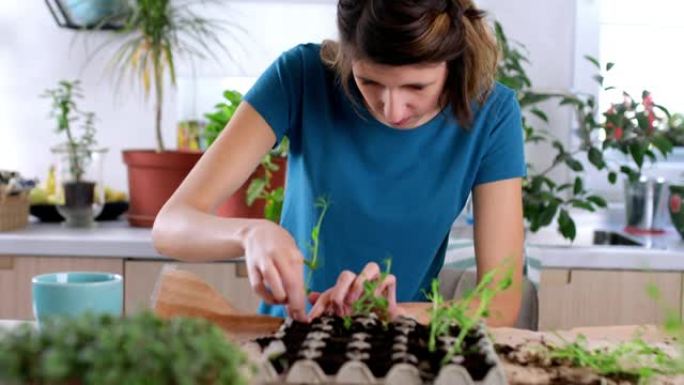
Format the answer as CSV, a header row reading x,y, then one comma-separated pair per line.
x,y
156,35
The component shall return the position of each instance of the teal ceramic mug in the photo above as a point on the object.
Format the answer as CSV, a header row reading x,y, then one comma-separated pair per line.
x,y
69,294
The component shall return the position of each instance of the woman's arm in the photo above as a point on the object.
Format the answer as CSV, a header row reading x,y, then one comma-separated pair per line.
x,y
498,244
499,237
187,229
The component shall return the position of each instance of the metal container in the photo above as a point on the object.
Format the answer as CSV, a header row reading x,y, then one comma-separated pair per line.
x,y
644,203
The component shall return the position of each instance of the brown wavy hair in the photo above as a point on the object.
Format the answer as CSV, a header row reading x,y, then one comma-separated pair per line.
x,y
401,32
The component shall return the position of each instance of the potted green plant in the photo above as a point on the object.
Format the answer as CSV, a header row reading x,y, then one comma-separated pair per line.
x,y
79,162
156,33
139,349
632,132
544,199
629,127
263,193
632,129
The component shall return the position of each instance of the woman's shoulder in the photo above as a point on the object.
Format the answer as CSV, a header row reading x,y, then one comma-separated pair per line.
x,y
501,95
304,53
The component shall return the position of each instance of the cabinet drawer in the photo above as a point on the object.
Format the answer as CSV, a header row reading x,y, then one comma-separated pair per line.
x,y
573,298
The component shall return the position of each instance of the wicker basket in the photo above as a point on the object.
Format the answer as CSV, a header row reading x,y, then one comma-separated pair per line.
x,y
14,211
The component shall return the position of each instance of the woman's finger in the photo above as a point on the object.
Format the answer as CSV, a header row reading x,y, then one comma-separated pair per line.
x,y
257,284
273,282
388,289
370,272
320,306
290,271
340,290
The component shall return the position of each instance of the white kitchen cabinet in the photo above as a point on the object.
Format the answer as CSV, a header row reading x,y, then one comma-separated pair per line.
x,y
572,298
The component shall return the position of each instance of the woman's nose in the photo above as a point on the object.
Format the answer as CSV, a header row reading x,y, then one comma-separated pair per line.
x,y
394,108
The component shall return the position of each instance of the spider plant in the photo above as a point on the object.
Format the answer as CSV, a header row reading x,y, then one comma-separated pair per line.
x,y
156,33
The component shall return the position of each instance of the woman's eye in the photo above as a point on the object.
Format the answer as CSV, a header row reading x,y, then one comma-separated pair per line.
x,y
416,88
370,83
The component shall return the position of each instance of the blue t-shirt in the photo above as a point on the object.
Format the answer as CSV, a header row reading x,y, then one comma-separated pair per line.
x,y
393,193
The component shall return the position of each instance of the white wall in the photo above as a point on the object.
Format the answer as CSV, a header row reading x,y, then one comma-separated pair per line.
x,y
547,29
35,54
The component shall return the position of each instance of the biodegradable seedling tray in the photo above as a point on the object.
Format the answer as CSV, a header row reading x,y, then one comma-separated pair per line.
x,y
370,352
324,344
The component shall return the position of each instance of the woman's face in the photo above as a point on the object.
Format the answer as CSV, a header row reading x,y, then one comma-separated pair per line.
x,y
403,97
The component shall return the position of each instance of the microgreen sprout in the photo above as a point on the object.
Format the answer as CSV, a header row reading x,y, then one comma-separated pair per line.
x,y
313,263
370,301
444,315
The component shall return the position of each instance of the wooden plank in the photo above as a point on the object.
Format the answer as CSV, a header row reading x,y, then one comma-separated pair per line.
x,y
141,277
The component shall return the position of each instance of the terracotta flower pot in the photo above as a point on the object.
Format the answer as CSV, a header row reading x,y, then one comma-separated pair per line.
x,y
152,178
236,205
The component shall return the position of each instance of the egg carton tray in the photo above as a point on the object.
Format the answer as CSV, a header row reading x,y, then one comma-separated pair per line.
x,y
405,368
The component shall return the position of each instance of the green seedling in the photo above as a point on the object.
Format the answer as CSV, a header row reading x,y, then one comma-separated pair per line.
x,y
370,302
107,350
439,323
444,315
313,263
634,359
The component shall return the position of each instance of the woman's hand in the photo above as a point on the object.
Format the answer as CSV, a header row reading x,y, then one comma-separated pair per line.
x,y
349,288
275,267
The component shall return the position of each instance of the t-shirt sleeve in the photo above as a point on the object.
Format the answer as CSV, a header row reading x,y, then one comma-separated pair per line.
x,y
504,155
277,94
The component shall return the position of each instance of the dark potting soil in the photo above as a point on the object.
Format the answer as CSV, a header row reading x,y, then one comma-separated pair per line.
x,y
379,345
78,194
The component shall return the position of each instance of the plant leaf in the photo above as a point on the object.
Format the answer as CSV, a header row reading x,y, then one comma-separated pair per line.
x,y
595,157
540,114
579,186
593,60
255,190
566,225
662,144
612,177
637,152
597,200
574,164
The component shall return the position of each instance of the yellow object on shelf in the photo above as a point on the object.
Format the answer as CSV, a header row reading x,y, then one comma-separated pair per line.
x,y
50,182
189,132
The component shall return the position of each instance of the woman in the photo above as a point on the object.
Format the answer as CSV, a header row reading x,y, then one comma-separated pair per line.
x,y
396,124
